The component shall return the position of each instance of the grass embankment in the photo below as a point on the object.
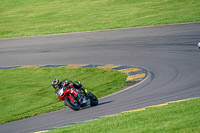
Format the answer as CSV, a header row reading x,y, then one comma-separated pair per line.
x,y
39,17
28,91
180,117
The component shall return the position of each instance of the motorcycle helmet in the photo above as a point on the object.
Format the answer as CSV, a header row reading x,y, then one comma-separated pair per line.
x,y
55,83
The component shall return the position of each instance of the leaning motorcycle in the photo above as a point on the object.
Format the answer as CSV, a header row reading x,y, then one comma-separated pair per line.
x,y
71,99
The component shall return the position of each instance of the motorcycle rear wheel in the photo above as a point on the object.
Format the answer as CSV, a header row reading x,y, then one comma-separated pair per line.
x,y
73,105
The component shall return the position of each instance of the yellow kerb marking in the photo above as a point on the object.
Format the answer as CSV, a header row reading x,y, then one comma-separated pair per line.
x,y
180,100
109,66
75,66
138,76
157,105
42,131
110,115
133,110
37,66
130,70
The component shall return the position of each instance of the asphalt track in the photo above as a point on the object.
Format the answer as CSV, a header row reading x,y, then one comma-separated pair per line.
x,y
169,53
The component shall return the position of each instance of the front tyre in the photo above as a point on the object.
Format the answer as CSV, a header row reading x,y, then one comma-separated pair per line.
x,y
74,105
93,99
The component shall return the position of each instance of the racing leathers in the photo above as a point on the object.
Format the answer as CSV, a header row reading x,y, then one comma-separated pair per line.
x,y
77,85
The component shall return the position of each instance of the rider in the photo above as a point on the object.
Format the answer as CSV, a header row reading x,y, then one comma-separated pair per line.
x,y
57,85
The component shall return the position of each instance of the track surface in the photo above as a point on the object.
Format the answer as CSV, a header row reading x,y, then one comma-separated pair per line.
x,y
169,53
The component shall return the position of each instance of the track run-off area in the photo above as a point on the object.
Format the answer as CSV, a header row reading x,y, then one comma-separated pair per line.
x,y
168,53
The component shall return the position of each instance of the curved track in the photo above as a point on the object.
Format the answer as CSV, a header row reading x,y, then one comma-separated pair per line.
x,y
169,53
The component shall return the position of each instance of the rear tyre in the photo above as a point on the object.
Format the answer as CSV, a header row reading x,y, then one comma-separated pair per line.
x,y
75,105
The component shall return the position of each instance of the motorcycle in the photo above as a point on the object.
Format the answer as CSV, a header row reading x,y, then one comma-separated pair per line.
x,y
73,98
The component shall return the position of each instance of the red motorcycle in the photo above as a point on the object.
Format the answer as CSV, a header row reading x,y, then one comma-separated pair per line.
x,y
73,98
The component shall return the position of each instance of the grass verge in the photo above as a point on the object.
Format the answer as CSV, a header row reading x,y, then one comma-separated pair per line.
x,y
27,92
33,17
181,117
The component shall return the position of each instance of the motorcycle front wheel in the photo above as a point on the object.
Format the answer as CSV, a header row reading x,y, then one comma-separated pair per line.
x,y
93,99
74,105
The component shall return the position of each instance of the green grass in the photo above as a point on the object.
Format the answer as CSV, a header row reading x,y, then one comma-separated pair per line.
x,y
28,92
39,17
180,117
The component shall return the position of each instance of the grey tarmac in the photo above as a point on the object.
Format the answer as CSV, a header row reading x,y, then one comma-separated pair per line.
x,y
169,53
